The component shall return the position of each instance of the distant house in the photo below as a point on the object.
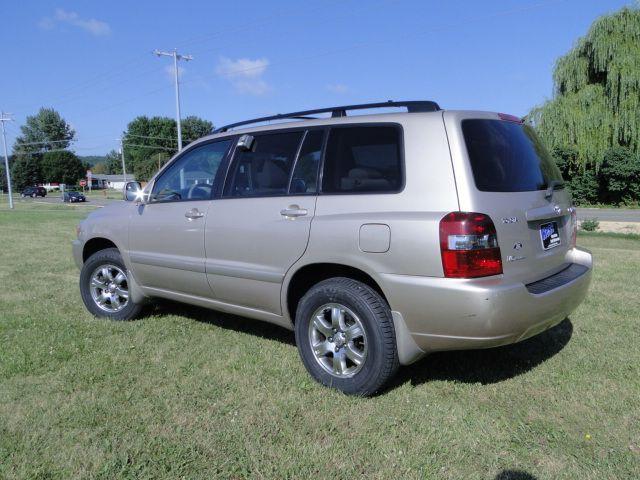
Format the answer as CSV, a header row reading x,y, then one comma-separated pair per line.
x,y
115,182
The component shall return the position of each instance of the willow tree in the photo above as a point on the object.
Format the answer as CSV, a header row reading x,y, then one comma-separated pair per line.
x,y
596,102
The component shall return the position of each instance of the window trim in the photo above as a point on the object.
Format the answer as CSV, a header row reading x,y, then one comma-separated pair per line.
x,y
304,131
397,126
324,131
184,152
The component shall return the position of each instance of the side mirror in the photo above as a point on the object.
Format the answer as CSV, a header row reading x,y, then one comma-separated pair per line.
x,y
245,143
132,191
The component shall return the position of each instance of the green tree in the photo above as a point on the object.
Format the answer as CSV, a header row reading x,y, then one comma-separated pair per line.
x,y
99,168
3,177
194,128
25,171
150,141
596,105
42,132
62,167
620,176
113,163
45,131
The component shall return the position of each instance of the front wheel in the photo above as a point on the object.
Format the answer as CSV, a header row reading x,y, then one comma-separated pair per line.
x,y
345,336
104,286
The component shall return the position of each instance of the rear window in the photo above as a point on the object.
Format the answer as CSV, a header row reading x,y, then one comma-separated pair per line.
x,y
507,156
363,159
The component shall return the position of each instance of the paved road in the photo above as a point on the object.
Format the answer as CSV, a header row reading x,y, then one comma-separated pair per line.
x,y
96,202
609,214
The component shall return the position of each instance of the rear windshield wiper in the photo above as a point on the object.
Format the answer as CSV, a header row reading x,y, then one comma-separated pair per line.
x,y
553,185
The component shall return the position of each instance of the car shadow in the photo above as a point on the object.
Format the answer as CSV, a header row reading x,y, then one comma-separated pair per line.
x,y
514,475
489,365
224,320
485,366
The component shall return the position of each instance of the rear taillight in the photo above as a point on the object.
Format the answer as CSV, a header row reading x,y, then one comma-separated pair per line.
x,y
469,246
574,226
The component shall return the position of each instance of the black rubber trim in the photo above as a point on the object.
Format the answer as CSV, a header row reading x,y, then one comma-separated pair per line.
x,y
567,275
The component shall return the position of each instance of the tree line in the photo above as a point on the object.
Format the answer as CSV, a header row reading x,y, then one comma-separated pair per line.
x,y
591,125
41,153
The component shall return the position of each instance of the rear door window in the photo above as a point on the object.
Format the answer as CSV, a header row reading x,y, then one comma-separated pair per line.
x,y
265,169
507,156
363,159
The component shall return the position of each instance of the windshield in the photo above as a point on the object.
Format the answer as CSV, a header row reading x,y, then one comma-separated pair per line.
x,y
507,156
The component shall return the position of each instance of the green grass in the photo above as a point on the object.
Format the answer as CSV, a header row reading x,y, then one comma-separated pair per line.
x,y
108,193
190,393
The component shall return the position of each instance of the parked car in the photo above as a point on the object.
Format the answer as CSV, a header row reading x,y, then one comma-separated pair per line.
x,y
34,192
376,238
73,197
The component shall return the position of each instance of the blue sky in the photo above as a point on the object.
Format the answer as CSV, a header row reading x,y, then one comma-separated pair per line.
x,y
92,61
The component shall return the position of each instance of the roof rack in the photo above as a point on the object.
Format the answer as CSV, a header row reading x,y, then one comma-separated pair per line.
x,y
411,106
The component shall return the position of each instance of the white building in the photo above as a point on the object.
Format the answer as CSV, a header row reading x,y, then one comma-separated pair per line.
x,y
115,182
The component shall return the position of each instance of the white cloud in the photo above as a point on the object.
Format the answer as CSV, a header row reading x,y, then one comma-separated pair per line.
x,y
245,74
337,88
90,25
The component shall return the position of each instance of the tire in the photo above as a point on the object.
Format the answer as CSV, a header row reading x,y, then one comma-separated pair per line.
x,y
106,299
354,303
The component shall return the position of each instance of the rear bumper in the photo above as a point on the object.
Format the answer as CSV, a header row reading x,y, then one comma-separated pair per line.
x,y
452,314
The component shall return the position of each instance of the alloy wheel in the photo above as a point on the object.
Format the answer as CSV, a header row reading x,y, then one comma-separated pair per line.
x,y
338,340
109,288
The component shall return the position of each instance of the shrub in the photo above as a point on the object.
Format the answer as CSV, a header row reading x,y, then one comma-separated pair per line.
x,y
590,225
620,176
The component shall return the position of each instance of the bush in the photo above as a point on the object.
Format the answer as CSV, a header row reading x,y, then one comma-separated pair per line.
x,y
620,176
590,225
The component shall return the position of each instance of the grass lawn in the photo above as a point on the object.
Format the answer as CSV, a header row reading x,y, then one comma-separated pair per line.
x,y
105,194
190,393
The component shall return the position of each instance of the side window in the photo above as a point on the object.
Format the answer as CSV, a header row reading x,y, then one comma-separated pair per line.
x,y
305,174
265,169
363,159
191,176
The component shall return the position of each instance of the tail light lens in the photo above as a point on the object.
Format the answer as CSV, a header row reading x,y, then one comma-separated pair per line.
x,y
469,246
574,226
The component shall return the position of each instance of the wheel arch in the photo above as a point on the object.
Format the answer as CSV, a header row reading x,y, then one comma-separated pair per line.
x,y
301,280
96,244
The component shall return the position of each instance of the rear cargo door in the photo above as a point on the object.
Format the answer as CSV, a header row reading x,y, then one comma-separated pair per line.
x,y
503,170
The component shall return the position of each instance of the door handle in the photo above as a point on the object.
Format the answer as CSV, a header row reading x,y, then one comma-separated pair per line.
x,y
193,214
293,211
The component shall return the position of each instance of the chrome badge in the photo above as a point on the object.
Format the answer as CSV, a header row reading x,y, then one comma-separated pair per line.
x,y
509,219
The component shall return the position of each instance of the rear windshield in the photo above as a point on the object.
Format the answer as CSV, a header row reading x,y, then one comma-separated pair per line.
x,y
507,156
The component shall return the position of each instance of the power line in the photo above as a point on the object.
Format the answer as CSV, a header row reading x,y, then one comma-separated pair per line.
x,y
151,137
46,142
150,146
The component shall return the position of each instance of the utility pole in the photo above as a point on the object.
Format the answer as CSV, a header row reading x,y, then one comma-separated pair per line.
x,y
6,117
176,56
124,170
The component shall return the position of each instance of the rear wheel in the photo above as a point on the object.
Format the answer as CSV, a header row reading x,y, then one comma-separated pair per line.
x,y
345,336
104,286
